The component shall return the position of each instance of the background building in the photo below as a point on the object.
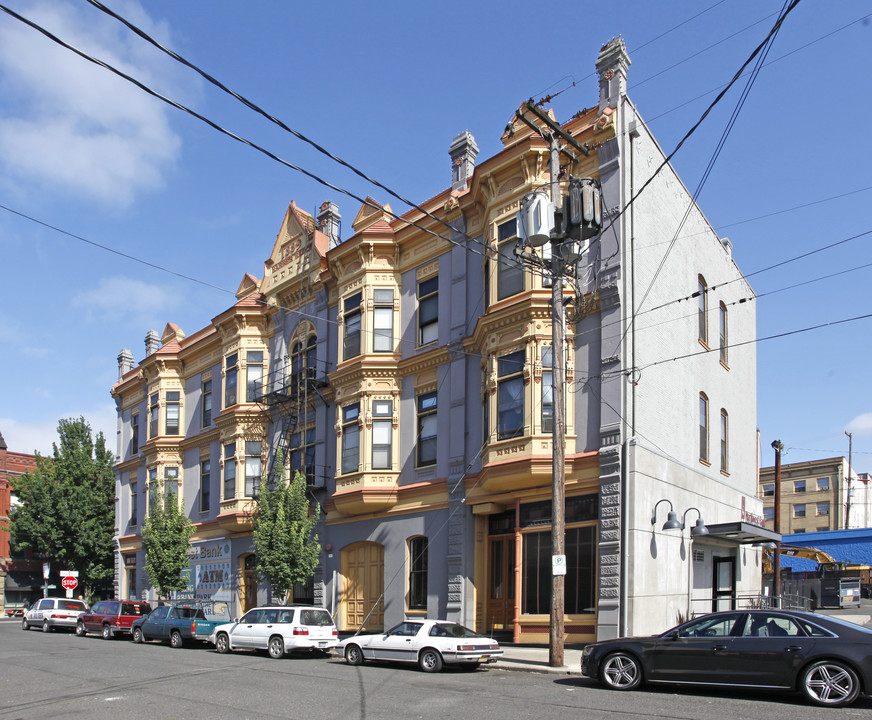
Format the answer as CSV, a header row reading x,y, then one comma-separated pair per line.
x,y
407,370
816,496
20,577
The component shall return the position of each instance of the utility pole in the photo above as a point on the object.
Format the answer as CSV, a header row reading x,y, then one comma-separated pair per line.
x,y
848,485
556,633
776,560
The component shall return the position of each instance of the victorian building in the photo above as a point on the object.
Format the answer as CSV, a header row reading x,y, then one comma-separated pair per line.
x,y
406,370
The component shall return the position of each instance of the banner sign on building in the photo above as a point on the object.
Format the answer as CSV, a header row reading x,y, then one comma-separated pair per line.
x,y
209,571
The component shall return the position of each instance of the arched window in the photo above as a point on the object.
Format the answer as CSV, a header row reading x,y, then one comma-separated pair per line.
x,y
702,292
703,428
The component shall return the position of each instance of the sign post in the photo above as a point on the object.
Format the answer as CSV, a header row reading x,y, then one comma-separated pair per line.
x,y
69,581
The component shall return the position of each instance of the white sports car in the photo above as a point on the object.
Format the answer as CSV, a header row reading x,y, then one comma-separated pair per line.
x,y
430,643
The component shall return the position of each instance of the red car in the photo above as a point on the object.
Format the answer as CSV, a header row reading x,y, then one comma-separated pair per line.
x,y
111,617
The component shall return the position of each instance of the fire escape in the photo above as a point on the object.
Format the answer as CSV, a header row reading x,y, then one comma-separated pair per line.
x,y
293,391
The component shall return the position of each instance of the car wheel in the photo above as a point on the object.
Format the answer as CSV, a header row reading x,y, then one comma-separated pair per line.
x,y
137,635
24,625
80,629
45,626
830,683
430,660
222,643
621,671
107,632
276,648
353,655
176,639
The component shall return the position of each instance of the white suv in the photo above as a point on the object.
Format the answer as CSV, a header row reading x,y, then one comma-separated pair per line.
x,y
279,630
53,613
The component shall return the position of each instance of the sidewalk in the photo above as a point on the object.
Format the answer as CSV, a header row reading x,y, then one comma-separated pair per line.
x,y
534,658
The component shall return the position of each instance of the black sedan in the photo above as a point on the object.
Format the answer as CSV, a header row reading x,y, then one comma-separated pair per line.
x,y
826,659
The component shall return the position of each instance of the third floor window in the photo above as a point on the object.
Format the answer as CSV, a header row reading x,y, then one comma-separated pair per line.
x,y
351,322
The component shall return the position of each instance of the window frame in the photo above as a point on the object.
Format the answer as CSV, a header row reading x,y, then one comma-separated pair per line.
x,y
702,310
301,456
350,428
507,406
547,416
722,334
800,486
797,512
725,441
231,379
229,472
352,318
153,415
511,276
382,320
173,413
428,310
823,484
205,484
134,510
426,407
253,375
170,486
206,409
253,467
704,439
418,577
382,424
134,434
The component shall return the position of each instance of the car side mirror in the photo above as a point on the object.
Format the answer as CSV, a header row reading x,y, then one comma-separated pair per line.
x,y
673,635
236,620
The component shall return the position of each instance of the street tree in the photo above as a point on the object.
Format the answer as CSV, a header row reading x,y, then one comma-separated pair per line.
x,y
165,535
66,510
283,523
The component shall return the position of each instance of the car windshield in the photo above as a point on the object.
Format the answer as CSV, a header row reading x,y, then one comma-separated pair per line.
x,y
452,630
72,605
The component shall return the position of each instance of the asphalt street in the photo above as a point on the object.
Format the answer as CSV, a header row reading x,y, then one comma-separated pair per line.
x,y
59,675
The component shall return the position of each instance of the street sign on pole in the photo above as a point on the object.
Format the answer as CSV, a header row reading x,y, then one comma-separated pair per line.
x,y
69,583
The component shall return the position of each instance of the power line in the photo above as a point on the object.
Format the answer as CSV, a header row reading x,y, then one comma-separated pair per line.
x,y
229,133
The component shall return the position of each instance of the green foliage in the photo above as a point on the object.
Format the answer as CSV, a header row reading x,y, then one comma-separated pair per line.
x,y
282,528
67,511
165,535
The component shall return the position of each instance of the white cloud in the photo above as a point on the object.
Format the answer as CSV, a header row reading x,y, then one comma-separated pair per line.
x,y
39,434
861,425
66,122
122,298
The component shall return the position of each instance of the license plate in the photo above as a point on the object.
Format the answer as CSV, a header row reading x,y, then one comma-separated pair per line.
x,y
322,644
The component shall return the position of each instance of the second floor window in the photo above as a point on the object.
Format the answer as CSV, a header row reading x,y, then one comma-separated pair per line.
x,y
703,428
547,391
351,322
230,471
725,427
510,395
134,434
383,320
799,511
382,434
823,508
253,375
768,490
252,468
510,272
207,403
134,517
427,429
171,487
205,485
428,311
172,413
230,379
702,311
153,489
823,484
799,486
350,438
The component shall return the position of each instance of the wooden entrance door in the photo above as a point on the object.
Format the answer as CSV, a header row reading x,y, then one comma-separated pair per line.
x,y
249,584
501,584
363,582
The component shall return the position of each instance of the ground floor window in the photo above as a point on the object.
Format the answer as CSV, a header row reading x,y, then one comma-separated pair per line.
x,y
580,549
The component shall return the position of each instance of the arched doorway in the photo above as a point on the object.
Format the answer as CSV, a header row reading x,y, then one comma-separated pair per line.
x,y
248,591
363,582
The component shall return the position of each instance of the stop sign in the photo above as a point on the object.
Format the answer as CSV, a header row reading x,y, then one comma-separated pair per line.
x,y
69,583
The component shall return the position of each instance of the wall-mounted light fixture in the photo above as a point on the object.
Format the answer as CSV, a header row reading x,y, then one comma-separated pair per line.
x,y
673,523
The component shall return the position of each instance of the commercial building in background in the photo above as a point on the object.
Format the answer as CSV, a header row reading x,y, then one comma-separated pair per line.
x,y
817,496
406,371
20,577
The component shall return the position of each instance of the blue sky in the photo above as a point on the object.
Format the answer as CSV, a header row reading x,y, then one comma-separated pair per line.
x,y
387,86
